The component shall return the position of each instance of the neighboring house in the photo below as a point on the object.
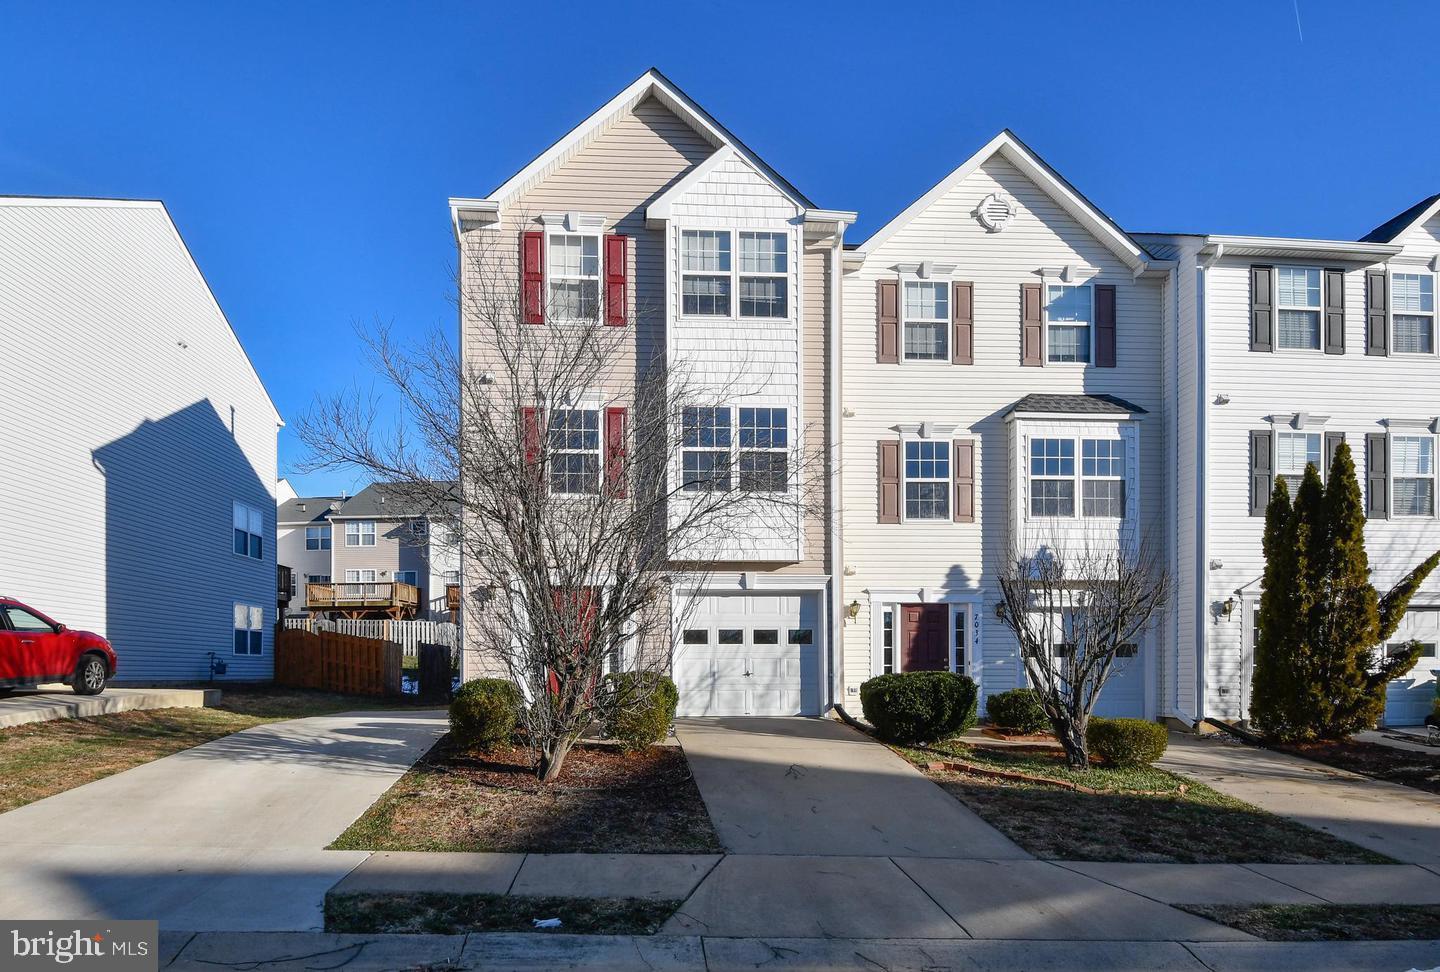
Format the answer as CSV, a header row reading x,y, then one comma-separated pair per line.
x,y
138,495
668,195
373,555
1002,396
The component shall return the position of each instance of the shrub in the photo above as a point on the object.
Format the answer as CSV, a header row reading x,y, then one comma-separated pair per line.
x,y
641,708
485,712
919,706
1126,742
1018,710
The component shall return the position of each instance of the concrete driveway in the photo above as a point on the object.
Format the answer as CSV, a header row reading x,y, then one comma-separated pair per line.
x,y
227,836
818,787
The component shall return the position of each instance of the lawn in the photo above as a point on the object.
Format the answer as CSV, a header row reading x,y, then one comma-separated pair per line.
x,y
1142,814
450,914
1404,766
605,801
1327,922
44,758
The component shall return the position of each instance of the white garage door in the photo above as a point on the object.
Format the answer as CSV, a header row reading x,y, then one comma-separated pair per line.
x,y
749,655
1408,699
1124,692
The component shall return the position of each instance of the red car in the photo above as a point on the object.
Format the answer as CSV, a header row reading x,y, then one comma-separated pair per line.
x,y
35,649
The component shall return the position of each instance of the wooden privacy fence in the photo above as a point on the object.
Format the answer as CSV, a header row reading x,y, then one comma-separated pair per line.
x,y
337,662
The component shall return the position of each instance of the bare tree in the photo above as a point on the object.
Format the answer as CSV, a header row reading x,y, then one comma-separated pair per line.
x,y
590,471
1076,614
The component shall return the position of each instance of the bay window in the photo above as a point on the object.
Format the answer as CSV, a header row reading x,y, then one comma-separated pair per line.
x,y
1297,307
1412,311
1102,477
927,321
1052,477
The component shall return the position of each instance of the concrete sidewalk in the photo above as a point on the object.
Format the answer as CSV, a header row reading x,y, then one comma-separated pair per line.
x,y
1398,821
51,702
817,787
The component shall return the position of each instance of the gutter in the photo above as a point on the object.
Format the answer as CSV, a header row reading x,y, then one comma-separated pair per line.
x,y
837,557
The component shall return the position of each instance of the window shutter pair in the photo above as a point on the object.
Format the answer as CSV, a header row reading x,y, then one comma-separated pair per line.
x,y
962,467
532,278
1377,312
887,322
1262,310
1377,475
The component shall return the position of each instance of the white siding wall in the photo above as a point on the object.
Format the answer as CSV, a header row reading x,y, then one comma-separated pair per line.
x,y
121,379
953,560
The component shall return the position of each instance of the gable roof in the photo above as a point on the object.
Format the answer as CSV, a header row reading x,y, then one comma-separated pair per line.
x,y
306,509
1396,225
1008,145
1075,405
393,501
650,84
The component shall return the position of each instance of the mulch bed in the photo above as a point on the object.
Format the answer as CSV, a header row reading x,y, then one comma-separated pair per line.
x,y
453,914
1327,922
605,801
1404,766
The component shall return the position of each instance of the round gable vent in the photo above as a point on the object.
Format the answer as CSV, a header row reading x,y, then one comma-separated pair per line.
x,y
995,211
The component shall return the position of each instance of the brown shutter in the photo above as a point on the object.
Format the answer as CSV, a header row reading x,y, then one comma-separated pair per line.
x,y
889,481
1332,443
1262,308
1334,333
964,466
1377,475
1032,326
962,317
1377,312
532,277
615,451
1262,470
887,321
617,289
1105,326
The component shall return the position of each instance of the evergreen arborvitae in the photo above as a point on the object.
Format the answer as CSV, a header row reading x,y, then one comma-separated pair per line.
x,y
1269,686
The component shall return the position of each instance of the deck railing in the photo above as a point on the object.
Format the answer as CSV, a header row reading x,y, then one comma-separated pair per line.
x,y
380,595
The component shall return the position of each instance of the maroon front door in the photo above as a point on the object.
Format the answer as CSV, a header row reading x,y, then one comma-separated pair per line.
x,y
924,637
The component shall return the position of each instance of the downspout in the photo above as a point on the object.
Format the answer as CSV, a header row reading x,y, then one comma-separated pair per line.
x,y
1202,432
836,563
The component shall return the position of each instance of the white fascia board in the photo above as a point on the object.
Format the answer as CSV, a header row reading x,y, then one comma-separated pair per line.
x,y
838,216
1074,417
80,202
484,210
1279,246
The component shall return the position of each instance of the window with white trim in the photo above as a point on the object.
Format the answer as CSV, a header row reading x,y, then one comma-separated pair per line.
x,y
926,321
1413,461
360,575
574,440
1069,312
249,629
573,269
1293,452
359,533
961,644
1412,312
764,450
705,273
1428,649
1102,477
317,578
317,537
705,449
927,480
1052,477
1297,307
887,640
249,531
764,264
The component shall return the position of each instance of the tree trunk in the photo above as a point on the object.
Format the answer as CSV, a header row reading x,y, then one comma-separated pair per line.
x,y
1077,753
552,758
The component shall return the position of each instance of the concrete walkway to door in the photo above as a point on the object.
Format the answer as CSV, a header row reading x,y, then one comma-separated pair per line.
x,y
818,787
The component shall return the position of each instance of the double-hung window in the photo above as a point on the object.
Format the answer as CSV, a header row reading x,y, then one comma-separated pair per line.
x,y
575,451
360,533
317,537
1069,312
1052,477
764,264
249,629
927,480
927,321
574,273
249,529
1102,477
705,273
705,449
1413,457
1412,311
1297,307
764,441
1293,452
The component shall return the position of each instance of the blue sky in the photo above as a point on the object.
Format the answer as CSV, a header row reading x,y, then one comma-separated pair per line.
x,y
307,149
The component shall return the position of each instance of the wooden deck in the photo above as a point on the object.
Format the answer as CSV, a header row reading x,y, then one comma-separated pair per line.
x,y
355,600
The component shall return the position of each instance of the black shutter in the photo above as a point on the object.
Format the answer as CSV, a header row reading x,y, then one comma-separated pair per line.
x,y
1334,332
1377,475
1377,312
1262,308
1332,443
1262,470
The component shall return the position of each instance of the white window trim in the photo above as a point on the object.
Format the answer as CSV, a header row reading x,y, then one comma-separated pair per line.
x,y
1125,432
252,513
1124,490
949,481
965,605
359,533
326,533
1076,440
735,449
582,233
783,275
1318,309
1089,285
905,281
735,273
1319,464
1396,477
249,612
585,404
1433,313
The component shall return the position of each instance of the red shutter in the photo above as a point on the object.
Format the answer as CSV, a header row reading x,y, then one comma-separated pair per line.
x,y
1105,326
532,277
964,480
889,481
617,290
615,450
1032,326
962,317
530,421
887,321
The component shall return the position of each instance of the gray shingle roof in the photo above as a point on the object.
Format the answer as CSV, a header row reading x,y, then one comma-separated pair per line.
x,y
1396,225
393,500
1076,405
305,509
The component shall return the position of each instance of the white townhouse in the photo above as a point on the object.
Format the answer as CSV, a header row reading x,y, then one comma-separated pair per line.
x,y
1283,349
137,492
1001,392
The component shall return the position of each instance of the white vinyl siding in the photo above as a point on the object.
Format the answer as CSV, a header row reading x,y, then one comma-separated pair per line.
x,y
1297,307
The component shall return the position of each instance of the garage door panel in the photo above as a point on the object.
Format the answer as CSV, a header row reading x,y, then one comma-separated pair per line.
x,y
762,674
1408,699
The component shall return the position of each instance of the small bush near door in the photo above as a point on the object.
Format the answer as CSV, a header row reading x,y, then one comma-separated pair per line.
x,y
485,712
919,706
641,708
1018,711
1126,742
